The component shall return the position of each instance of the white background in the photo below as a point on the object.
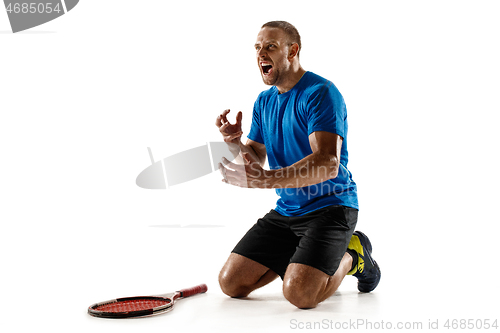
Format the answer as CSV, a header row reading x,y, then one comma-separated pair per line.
x,y
83,96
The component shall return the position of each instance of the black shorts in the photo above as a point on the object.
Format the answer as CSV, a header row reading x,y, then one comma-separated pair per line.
x,y
318,239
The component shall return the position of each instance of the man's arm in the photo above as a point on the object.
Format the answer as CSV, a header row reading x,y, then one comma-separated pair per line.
x,y
257,151
321,165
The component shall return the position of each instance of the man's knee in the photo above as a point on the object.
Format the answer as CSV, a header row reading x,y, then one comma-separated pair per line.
x,y
298,296
230,277
240,276
229,284
304,287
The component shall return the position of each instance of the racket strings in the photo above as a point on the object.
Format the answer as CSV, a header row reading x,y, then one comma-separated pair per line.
x,y
132,305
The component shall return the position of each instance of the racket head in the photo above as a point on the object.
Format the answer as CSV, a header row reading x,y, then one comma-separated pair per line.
x,y
129,307
141,306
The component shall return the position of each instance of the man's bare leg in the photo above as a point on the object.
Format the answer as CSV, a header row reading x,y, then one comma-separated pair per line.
x,y
305,286
240,276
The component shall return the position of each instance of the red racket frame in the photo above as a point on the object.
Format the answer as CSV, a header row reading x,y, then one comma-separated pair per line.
x,y
183,293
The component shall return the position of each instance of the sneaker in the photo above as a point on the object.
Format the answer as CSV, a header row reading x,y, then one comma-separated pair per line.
x,y
367,270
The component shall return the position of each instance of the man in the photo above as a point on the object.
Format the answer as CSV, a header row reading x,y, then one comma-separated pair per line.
x,y
300,124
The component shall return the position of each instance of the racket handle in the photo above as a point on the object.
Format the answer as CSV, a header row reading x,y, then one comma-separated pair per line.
x,y
193,290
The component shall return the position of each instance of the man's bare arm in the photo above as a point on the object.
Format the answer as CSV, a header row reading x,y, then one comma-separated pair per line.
x,y
256,150
321,165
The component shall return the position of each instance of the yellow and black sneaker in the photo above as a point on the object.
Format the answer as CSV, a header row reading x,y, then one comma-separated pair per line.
x,y
366,270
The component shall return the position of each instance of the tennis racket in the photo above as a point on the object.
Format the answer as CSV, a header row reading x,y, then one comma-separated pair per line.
x,y
141,306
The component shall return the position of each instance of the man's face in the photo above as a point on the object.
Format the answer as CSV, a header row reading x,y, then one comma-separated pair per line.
x,y
272,55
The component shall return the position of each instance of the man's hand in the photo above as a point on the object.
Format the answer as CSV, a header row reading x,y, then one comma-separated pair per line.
x,y
249,174
230,132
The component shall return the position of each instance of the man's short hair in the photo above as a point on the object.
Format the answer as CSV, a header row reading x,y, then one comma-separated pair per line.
x,y
291,32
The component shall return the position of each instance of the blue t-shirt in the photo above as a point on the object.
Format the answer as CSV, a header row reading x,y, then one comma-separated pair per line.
x,y
283,123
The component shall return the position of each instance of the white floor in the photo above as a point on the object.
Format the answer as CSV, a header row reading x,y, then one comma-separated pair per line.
x,y
52,289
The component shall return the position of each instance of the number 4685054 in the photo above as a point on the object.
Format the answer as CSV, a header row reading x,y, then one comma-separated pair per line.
x,y
33,8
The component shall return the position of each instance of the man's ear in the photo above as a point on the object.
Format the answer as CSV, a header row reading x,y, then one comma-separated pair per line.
x,y
293,50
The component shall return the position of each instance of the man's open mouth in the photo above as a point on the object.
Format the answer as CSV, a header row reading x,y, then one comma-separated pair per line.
x,y
266,69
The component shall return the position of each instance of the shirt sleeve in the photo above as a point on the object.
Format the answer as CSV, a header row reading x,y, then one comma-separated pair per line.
x,y
326,110
255,129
